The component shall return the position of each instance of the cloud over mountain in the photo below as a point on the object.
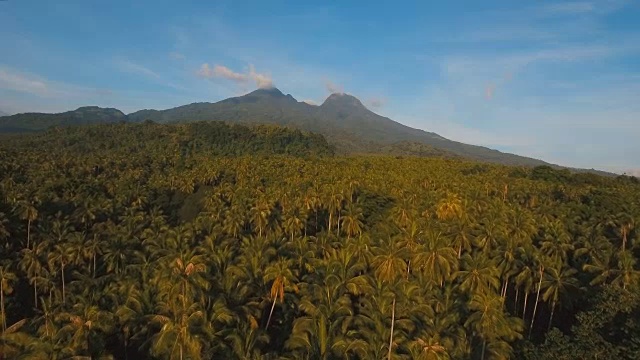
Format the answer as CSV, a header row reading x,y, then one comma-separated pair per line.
x,y
262,81
333,88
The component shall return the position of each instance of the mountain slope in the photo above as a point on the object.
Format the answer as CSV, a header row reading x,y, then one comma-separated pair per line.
x,y
342,118
41,121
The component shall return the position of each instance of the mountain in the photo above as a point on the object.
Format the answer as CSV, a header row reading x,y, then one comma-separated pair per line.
x,y
346,123
40,121
2,113
342,118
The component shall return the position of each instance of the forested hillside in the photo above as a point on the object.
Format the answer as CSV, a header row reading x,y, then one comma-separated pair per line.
x,y
342,118
86,115
216,241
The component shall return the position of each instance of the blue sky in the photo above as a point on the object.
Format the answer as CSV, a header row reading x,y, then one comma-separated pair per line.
x,y
559,81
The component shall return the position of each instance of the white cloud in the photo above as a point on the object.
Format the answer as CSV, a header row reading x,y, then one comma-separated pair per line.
x,y
333,88
220,71
11,79
129,66
310,102
262,80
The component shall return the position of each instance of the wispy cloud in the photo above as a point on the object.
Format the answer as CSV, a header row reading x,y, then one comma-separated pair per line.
x,y
223,72
11,79
220,71
126,65
377,102
262,80
310,102
332,87
576,7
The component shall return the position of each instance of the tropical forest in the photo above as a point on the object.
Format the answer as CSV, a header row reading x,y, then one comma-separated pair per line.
x,y
210,240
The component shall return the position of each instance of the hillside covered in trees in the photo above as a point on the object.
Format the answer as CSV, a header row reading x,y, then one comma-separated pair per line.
x,y
216,241
85,115
345,122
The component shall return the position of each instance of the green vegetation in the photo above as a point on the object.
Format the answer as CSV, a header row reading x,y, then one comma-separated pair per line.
x,y
217,241
82,116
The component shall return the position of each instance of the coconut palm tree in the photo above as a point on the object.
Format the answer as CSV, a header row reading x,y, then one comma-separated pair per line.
x,y
281,276
82,326
27,211
388,267
352,220
477,275
436,259
7,278
181,330
560,286
491,324
13,342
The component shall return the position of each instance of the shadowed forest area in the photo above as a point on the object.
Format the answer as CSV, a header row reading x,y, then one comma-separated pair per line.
x,y
217,241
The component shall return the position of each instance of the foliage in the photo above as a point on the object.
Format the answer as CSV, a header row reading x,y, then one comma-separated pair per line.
x,y
217,241
82,116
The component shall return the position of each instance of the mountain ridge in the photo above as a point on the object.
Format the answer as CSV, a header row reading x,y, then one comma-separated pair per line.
x,y
342,118
84,115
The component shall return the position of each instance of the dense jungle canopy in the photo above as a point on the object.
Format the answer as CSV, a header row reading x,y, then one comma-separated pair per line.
x,y
217,241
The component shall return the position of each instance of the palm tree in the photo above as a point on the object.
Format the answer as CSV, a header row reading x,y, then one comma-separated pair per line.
x,y
247,340
477,275
81,324
461,235
492,230
260,216
233,222
490,322
281,278
325,328
428,347
4,232
352,220
450,207
32,265
180,330
557,242
60,256
436,259
334,206
388,267
625,273
6,279
623,223
93,250
14,342
294,221
559,285
540,274
27,211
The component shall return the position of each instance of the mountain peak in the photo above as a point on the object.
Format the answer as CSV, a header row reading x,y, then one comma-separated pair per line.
x,y
342,99
274,91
